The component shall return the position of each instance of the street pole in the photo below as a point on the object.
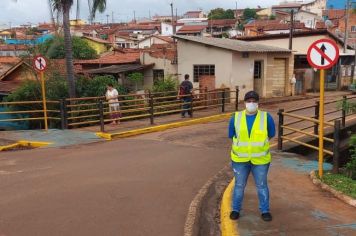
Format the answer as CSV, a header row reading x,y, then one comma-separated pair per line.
x,y
44,100
346,24
291,30
321,123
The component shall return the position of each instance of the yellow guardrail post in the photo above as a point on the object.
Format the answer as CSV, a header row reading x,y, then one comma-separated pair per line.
x,y
321,124
44,100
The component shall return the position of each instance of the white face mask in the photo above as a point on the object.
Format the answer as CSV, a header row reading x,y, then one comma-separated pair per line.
x,y
251,107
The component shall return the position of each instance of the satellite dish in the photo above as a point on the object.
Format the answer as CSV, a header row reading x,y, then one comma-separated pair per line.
x,y
329,24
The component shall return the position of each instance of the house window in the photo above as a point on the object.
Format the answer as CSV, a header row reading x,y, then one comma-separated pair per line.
x,y
257,70
158,75
353,28
200,70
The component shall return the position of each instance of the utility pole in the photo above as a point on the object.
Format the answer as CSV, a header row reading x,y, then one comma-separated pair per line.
x,y
291,29
173,25
112,17
346,33
149,14
77,13
107,19
236,10
134,17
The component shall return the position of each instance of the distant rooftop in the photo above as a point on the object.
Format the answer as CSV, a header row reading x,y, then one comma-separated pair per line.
x,y
234,45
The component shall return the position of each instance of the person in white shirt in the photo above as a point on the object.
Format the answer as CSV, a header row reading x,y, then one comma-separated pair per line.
x,y
114,106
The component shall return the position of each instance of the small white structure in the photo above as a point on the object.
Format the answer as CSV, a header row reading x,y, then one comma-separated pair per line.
x,y
154,39
308,18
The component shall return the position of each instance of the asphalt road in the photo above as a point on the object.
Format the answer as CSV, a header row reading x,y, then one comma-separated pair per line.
x,y
126,187
129,187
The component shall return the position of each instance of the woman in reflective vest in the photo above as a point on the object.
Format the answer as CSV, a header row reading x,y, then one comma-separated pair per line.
x,y
250,131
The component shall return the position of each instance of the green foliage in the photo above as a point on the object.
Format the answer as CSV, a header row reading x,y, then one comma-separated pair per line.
x,y
96,87
351,165
54,48
32,31
341,183
168,84
272,17
220,13
249,14
135,78
56,88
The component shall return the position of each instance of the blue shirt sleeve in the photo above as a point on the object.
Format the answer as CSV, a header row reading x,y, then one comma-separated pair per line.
x,y
232,126
271,126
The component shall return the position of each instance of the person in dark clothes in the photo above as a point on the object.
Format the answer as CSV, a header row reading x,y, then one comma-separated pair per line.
x,y
185,91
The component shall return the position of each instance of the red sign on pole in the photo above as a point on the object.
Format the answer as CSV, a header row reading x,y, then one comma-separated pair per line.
x,y
323,54
40,63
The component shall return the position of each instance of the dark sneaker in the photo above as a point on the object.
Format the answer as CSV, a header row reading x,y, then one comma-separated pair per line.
x,y
234,215
266,216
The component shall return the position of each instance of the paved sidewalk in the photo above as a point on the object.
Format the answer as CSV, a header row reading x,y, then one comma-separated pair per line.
x,y
297,205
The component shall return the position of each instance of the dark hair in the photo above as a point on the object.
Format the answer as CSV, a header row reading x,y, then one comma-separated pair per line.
x,y
252,94
110,85
186,76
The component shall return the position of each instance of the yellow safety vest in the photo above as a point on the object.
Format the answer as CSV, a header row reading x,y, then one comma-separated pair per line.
x,y
254,148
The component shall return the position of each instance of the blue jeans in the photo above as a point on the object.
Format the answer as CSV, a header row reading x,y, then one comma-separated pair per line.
x,y
186,106
259,172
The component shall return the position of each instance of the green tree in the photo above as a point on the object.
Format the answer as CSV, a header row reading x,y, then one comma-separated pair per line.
x,y
220,13
54,48
249,14
64,6
272,17
135,78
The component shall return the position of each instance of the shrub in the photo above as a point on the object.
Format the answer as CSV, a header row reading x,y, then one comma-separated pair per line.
x,y
351,165
168,84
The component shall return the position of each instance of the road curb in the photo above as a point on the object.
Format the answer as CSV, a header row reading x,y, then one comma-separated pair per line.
x,y
24,143
316,181
193,220
228,226
124,134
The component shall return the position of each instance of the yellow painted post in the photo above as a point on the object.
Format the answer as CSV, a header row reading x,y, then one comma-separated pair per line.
x,y
321,121
44,100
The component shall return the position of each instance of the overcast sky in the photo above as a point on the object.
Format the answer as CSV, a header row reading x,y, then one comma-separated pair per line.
x,y
35,11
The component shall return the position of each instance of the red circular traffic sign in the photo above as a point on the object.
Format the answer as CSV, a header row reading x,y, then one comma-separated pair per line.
x,y
323,54
40,63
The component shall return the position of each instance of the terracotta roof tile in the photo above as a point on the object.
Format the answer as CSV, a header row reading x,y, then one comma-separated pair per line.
x,y
12,47
113,57
192,28
9,60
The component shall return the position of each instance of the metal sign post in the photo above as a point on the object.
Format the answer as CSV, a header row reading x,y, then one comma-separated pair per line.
x,y
40,65
322,54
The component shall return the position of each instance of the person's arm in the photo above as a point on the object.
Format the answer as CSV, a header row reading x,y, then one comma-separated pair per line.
x,y
271,127
232,131
115,94
107,96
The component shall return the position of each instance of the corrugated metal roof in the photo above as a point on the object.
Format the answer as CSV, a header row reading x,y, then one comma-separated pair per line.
x,y
234,45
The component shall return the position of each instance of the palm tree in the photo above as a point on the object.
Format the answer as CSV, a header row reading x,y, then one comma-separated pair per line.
x,y
63,6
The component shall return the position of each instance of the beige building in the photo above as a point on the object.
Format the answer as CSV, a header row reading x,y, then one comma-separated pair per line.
x,y
338,77
226,63
163,64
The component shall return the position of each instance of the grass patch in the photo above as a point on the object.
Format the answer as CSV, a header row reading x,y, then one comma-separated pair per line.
x,y
341,183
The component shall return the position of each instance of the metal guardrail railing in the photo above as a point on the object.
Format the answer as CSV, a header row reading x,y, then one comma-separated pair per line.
x,y
334,121
88,111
